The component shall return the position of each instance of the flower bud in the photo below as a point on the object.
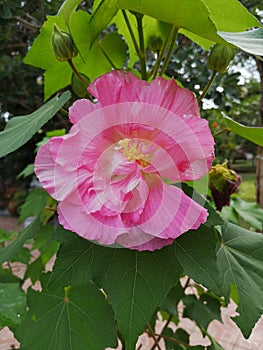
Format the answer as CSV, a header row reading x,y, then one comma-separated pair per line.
x,y
220,57
79,87
223,182
155,43
62,44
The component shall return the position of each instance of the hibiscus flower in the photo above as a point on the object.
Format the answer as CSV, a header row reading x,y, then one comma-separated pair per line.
x,y
110,172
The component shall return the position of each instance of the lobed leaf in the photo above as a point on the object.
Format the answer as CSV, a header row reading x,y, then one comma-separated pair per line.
x,y
240,262
19,130
76,318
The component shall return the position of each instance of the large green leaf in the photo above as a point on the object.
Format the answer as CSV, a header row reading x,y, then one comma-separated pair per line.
x,y
12,304
241,211
90,61
76,318
195,251
253,134
12,249
178,12
203,310
102,16
230,15
209,15
240,261
250,41
58,74
20,129
136,282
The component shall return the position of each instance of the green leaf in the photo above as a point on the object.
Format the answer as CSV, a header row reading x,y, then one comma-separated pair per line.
x,y
196,252
230,15
114,47
58,74
253,134
45,243
91,61
76,318
240,261
173,340
9,251
250,41
251,213
67,9
136,284
12,304
35,202
29,170
172,299
20,129
128,277
203,310
102,16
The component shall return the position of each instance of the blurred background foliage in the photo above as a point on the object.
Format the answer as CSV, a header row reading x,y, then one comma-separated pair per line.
x,y
236,93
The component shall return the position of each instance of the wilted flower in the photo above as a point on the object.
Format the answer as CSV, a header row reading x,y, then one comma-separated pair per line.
x,y
223,182
110,171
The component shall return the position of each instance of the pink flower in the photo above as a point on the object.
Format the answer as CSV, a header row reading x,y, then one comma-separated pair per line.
x,y
110,171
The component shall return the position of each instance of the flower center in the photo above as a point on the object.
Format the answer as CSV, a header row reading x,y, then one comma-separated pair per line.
x,y
134,149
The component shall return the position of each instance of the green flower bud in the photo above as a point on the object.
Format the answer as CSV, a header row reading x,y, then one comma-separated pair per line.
x,y
79,87
155,43
220,57
62,44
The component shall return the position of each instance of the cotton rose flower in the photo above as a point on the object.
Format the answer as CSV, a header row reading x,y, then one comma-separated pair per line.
x,y
111,172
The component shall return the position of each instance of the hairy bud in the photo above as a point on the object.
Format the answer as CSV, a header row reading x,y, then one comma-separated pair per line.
x,y
220,57
223,182
62,44
155,43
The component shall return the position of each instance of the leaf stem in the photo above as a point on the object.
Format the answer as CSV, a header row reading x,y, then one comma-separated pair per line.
x,y
221,132
174,340
152,334
76,72
163,329
207,87
170,51
139,18
156,67
137,49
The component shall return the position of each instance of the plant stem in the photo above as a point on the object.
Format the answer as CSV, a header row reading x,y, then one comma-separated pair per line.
x,y
137,49
156,67
152,334
221,132
163,329
139,18
207,87
174,340
170,51
76,72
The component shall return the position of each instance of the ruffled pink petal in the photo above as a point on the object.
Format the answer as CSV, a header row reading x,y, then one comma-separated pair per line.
x,y
169,212
167,94
80,109
117,87
94,227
